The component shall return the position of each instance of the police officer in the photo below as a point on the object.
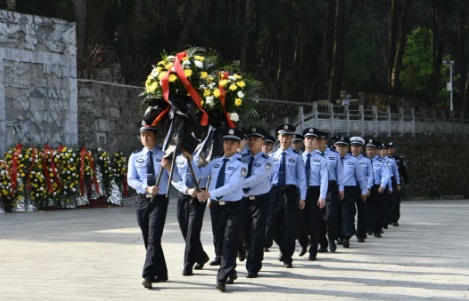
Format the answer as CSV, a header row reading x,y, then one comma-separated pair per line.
x,y
268,144
151,204
352,187
317,182
297,143
287,177
357,143
190,215
378,192
329,223
404,177
256,195
227,179
393,185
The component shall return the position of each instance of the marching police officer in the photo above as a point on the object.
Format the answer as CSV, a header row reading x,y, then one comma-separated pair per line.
x,y
352,187
393,185
297,143
151,204
329,224
317,182
227,179
397,195
287,177
256,195
357,144
268,144
378,192
190,215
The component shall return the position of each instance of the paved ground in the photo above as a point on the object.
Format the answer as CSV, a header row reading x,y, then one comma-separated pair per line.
x,y
97,254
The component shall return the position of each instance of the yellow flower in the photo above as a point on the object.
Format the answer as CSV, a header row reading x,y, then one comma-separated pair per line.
x,y
223,82
207,92
233,87
203,74
199,58
169,66
238,102
241,84
22,174
188,72
237,76
172,78
216,93
151,86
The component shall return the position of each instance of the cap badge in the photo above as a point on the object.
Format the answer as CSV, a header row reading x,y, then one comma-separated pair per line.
x,y
370,141
311,130
253,129
231,132
285,127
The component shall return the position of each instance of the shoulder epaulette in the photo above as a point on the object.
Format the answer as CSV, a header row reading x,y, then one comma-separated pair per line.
x,y
295,151
265,156
136,151
239,159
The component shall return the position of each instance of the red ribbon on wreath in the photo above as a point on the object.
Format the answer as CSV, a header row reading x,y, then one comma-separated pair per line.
x,y
94,179
33,162
83,153
124,185
222,91
48,155
187,84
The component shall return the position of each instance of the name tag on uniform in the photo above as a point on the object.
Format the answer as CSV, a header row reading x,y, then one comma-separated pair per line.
x,y
350,163
140,160
331,158
377,165
216,165
231,168
316,160
291,160
257,164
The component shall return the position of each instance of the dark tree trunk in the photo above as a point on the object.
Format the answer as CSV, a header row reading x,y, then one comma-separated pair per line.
x,y
392,34
191,13
337,51
80,13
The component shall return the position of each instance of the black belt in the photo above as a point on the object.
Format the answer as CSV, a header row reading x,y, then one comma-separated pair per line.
x,y
256,197
313,187
332,182
224,203
147,196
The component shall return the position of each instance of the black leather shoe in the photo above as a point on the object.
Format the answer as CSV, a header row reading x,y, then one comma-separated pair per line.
x,y
395,224
346,243
200,265
332,246
385,226
242,255
377,235
360,239
312,258
322,250
231,279
303,250
187,273
160,279
266,250
221,286
280,257
147,283
216,261
252,275
368,231
288,265
339,241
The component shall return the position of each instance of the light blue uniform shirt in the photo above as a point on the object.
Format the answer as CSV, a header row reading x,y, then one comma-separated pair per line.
x,y
334,167
367,170
182,177
294,170
318,175
353,174
259,181
137,171
381,173
392,165
235,171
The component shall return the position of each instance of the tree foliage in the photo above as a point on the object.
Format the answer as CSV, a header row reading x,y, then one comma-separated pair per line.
x,y
301,50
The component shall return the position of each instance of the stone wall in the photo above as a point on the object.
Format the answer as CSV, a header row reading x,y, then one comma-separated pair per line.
x,y
38,85
108,115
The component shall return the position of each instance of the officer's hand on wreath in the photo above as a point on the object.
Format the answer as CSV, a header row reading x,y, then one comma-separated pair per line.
x,y
321,203
302,204
186,154
166,164
203,195
192,192
153,190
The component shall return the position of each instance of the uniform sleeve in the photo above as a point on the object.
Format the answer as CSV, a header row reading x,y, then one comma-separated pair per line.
x,y
324,180
202,172
360,177
259,174
385,175
340,174
369,174
132,177
236,181
178,181
301,177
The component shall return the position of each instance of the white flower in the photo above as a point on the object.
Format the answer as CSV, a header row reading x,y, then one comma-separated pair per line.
x,y
42,188
209,101
186,63
20,156
199,64
33,172
154,74
231,77
211,85
234,117
240,94
68,172
170,58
